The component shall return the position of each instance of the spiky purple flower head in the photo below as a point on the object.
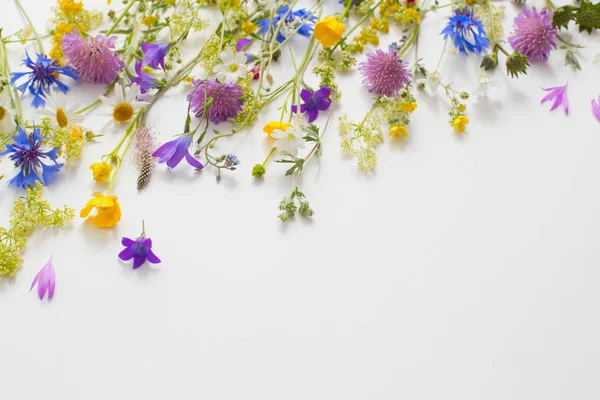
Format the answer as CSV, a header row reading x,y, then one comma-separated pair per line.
x,y
93,59
533,34
222,99
384,73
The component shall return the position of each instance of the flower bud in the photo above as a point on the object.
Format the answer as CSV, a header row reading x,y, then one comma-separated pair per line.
x,y
516,64
490,61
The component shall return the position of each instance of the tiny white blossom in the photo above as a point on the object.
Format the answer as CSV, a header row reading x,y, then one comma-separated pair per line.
x,y
288,141
431,83
233,67
483,87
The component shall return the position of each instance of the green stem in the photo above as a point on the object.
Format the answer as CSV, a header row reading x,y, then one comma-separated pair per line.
x,y
95,103
269,156
14,95
128,134
409,42
35,34
490,11
125,11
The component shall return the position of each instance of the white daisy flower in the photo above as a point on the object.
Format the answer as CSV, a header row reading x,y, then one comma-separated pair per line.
x,y
233,67
288,141
431,83
124,105
483,87
60,114
7,119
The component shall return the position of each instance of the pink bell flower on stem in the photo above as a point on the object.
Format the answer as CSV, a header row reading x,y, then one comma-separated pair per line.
x,y
559,95
45,281
596,108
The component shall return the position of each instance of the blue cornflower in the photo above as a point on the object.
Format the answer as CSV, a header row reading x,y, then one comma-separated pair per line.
x,y
466,31
43,75
27,155
301,20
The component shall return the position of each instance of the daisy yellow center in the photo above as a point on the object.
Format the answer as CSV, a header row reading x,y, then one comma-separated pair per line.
x,y
122,112
2,113
233,67
61,118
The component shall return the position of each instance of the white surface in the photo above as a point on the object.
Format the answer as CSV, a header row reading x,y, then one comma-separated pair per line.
x,y
465,268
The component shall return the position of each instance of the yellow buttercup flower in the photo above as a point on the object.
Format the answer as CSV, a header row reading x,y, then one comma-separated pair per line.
x,y
407,106
329,31
108,210
460,123
149,20
101,171
248,27
271,126
398,130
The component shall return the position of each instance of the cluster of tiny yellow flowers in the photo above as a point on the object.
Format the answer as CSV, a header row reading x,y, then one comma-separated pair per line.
x,y
101,171
70,15
407,106
248,27
388,9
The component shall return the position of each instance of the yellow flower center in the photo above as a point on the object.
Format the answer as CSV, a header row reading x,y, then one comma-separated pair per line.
x,y
233,67
123,112
2,113
291,136
61,118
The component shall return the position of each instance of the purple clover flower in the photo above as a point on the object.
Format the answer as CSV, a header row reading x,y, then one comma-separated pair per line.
x,y
314,102
154,54
223,99
145,82
559,95
93,59
140,250
533,34
43,75
384,73
174,151
45,281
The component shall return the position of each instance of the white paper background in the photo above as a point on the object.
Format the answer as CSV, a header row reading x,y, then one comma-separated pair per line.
x,y
465,267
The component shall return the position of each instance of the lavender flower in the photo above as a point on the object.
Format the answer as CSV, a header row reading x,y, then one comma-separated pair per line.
x,y
533,34
144,81
384,73
45,281
559,95
466,31
93,59
42,77
223,100
154,54
140,250
174,151
314,102
27,155
596,108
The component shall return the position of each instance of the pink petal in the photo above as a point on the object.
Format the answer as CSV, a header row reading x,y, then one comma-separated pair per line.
x,y
596,108
51,281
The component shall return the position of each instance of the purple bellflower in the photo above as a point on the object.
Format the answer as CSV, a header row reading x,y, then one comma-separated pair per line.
x,y
154,54
174,151
145,82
